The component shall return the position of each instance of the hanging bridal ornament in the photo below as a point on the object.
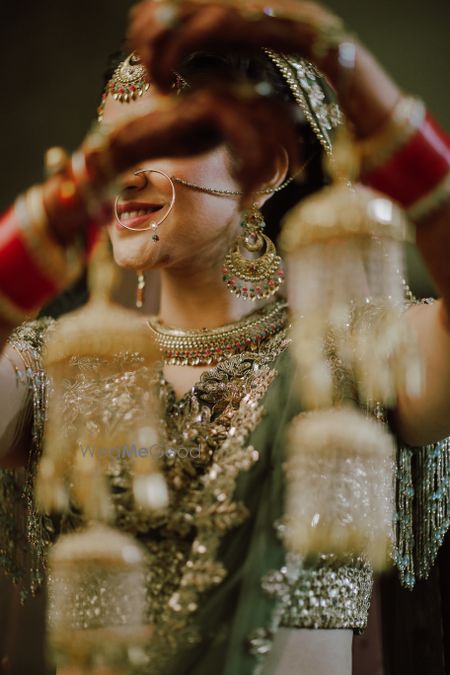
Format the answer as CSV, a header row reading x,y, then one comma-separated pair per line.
x,y
340,486
100,361
344,251
101,424
96,614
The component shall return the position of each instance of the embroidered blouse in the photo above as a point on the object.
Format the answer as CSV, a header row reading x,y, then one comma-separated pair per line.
x,y
219,582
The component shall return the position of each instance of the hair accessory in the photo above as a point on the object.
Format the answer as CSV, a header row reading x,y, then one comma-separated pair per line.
x,y
310,91
130,81
154,223
248,277
307,84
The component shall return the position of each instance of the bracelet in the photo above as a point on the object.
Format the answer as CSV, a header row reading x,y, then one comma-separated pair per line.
x,y
404,121
33,267
412,164
62,265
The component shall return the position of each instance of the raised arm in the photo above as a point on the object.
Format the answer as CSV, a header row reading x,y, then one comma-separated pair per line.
x,y
405,153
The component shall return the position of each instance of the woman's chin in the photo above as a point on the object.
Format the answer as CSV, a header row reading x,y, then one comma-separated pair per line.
x,y
136,251
135,257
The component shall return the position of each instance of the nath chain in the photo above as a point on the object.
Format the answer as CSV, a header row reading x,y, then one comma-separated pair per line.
x,y
229,193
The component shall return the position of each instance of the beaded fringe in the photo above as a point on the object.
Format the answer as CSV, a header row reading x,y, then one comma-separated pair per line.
x,y
26,533
423,514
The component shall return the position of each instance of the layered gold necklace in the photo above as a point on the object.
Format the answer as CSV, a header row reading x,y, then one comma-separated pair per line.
x,y
205,346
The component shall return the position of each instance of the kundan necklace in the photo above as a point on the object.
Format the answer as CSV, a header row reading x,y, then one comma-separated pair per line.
x,y
204,346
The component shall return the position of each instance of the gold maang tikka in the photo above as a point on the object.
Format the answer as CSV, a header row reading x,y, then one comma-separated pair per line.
x,y
130,81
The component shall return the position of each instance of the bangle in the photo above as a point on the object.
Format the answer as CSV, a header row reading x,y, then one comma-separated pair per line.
x,y
61,265
404,121
23,286
33,268
416,172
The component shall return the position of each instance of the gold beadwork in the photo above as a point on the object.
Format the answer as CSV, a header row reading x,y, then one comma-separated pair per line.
x,y
305,83
129,80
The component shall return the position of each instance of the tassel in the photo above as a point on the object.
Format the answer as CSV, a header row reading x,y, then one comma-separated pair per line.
x,y
96,604
340,486
100,364
104,353
345,273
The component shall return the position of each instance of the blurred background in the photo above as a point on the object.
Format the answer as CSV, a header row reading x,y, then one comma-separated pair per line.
x,y
54,54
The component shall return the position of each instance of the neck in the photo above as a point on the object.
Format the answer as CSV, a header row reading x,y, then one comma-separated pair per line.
x,y
200,299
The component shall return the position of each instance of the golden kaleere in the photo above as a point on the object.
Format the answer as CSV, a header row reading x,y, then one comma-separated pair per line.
x,y
340,495
102,416
351,344
345,256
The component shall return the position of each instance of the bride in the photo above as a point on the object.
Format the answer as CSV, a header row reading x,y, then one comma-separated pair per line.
x,y
209,130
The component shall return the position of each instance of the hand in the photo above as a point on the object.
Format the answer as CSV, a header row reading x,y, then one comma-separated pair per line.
x,y
201,120
164,33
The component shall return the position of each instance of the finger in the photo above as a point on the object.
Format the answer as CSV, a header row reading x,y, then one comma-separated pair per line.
x,y
202,121
205,27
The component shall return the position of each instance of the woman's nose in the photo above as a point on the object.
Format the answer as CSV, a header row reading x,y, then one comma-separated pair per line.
x,y
133,180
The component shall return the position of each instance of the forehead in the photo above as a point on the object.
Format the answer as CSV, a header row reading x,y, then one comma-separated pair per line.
x,y
117,113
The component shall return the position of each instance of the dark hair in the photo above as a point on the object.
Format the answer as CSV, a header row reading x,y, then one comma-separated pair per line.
x,y
255,67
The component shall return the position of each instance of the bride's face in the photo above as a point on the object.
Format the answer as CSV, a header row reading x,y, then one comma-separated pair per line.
x,y
199,227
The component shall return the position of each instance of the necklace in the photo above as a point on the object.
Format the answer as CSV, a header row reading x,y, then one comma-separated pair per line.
x,y
204,346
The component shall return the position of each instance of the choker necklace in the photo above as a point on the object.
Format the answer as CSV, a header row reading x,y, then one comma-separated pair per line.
x,y
204,346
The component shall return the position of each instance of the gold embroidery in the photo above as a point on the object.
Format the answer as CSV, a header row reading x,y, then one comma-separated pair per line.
x,y
203,451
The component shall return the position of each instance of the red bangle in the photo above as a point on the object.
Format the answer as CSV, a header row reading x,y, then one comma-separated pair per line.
x,y
418,174
33,267
23,286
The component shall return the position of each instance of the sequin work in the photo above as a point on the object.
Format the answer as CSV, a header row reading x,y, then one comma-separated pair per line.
x,y
204,437
323,593
26,533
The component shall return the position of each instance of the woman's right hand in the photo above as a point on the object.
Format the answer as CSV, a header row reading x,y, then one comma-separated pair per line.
x,y
187,125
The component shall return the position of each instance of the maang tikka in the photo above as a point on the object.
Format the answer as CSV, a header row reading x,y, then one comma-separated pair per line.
x,y
253,278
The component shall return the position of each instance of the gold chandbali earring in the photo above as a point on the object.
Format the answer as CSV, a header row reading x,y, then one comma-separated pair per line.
x,y
253,278
140,289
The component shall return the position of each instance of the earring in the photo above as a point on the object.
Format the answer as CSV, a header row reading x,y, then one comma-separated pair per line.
x,y
140,289
253,278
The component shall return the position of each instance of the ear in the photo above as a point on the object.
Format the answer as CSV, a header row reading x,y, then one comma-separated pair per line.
x,y
279,174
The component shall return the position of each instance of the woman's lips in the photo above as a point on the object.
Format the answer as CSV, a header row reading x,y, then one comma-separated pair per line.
x,y
136,215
